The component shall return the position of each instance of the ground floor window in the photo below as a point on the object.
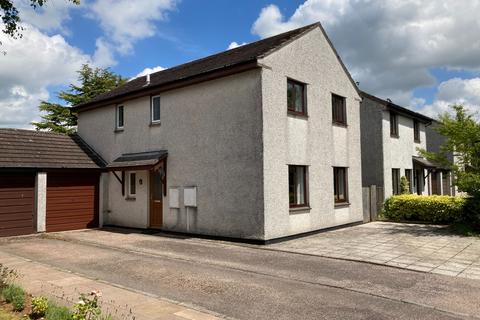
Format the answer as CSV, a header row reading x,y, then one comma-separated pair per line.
x,y
132,184
340,185
408,175
396,181
297,186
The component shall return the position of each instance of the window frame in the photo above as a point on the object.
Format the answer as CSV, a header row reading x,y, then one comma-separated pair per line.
x,y
292,111
335,118
153,121
336,193
131,194
117,117
396,177
416,131
394,125
306,198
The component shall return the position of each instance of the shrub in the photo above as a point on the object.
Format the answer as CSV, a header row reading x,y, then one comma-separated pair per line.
x,y
16,296
438,209
404,185
39,307
55,312
88,308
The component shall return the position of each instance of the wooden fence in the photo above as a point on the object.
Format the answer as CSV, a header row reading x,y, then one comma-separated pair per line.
x,y
373,198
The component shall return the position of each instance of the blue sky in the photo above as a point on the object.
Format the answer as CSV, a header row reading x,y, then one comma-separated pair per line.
x,y
421,54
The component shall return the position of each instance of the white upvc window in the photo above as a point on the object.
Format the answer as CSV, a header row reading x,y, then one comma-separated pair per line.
x,y
155,109
119,117
132,184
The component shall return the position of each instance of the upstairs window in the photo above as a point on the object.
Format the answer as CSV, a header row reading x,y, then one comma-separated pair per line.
x,y
297,186
155,109
120,117
416,131
340,185
339,110
393,124
296,101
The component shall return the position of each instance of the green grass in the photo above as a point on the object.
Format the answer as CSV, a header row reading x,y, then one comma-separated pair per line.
x,y
464,229
55,312
16,296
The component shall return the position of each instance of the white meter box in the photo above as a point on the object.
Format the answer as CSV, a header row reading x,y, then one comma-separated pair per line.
x,y
173,198
190,196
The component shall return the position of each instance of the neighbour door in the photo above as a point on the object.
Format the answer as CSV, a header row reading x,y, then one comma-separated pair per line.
x,y
156,198
435,188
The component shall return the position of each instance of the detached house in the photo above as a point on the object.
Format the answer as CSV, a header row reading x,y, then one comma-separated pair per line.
x,y
258,142
391,137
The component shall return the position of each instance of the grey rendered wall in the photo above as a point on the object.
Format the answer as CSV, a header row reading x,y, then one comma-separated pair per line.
x,y
213,133
435,140
372,143
314,141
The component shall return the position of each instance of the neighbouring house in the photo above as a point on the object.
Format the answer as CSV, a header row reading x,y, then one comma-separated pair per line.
x,y
258,142
48,182
391,136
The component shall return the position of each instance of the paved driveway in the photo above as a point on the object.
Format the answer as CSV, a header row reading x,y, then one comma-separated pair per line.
x,y
428,248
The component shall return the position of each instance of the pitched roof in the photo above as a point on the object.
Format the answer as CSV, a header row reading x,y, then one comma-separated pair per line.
x,y
239,56
45,150
395,107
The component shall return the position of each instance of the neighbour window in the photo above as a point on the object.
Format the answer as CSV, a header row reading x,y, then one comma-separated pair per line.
x,y
297,186
340,185
416,131
396,181
120,117
155,109
339,110
296,97
408,175
393,124
132,184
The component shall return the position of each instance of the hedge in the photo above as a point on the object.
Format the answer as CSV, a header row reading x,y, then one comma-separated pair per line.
x,y
438,209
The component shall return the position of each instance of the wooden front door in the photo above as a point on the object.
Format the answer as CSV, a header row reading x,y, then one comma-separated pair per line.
x,y
156,198
435,188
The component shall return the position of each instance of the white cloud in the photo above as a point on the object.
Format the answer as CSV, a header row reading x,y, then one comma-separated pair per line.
x,y
234,45
390,46
453,91
149,71
126,21
50,17
103,56
31,65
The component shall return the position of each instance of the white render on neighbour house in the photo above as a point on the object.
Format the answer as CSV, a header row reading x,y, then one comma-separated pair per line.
x,y
231,143
383,152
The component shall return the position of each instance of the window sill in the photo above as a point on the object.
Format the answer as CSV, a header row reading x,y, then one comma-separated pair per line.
x,y
130,199
117,130
342,205
396,136
154,124
305,209
297,115
418,141
340,124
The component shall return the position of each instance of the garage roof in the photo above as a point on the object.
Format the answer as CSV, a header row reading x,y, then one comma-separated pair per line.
x,y
45,150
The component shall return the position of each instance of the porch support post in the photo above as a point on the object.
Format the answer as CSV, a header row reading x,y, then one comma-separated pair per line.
x,y
102,198
41,201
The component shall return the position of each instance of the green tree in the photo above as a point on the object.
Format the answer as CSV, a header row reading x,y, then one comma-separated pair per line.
x,y
59,118
462,133
11,16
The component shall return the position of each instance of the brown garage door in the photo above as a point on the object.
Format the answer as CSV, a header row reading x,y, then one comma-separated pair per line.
x,y
16,204
72,201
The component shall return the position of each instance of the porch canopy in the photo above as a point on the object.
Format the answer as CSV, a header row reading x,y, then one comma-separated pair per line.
x,y
425,163
139,161
150,160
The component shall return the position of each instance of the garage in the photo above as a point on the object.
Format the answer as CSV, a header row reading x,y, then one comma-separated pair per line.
x,y
72,201
48,182
17,204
